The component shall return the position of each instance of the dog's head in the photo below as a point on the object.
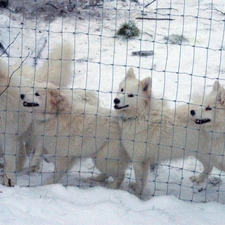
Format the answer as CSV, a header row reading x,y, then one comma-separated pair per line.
x,y
133,94
45,100
212,111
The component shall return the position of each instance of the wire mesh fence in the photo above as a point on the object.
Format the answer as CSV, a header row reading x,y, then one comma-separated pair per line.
x,y
66,117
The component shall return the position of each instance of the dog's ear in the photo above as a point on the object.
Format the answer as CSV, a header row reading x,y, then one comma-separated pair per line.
x,y
220,92
130,73
216,86
146,85
221,96
57,100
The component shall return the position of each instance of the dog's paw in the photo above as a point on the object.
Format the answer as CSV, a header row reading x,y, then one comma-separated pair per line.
x,y
214,181
99,178
197,179
31,169
34,169
113,185
8,182
132,185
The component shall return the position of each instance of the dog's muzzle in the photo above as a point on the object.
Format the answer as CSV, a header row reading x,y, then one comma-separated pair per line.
x,y
30,104
116,102
197,121
120,107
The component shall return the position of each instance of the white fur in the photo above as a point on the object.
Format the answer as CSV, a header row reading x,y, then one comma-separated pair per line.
x,y
210,118
15,122
149,132
71,129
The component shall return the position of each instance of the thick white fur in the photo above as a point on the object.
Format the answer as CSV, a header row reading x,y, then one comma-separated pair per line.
x,y
83,97
149,132
55,69
212,112
15,122
71,129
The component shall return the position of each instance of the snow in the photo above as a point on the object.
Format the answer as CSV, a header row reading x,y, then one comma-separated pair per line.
x,y
55,204
100,63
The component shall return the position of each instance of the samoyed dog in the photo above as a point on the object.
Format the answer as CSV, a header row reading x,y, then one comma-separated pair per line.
x,y
210,117
16,124
71,129
150,134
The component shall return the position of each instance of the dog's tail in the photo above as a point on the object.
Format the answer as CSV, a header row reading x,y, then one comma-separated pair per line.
x,y
57,68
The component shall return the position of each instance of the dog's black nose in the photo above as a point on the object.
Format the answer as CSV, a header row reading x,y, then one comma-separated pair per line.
x,y
22,96
116,101
192,112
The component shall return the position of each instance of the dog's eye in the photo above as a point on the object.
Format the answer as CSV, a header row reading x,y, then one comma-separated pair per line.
x,y
121,90
131,96
36,94
208,108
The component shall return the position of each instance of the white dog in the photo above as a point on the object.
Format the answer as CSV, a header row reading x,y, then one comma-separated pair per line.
x,y
71,129
210,117
14,120
149,132
82,96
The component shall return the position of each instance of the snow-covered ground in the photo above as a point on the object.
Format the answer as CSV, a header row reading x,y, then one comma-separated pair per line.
x,y
100,63
56,204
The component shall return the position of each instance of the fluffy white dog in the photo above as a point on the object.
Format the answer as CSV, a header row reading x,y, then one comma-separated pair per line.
x,y
70,129
210,117
150,133
15,122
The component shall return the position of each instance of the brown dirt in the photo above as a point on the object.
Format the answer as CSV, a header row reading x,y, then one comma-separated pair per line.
x,y
50,10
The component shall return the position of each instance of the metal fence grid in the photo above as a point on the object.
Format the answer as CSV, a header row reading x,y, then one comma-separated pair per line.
x,y
179,44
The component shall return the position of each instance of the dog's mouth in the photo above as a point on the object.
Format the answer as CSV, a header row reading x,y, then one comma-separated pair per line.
x,y
197,121
30,104
120,107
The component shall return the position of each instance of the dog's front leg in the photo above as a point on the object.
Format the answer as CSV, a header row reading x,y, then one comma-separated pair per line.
x,y
208,167
20,156
141,173
62,165
10,149
38,150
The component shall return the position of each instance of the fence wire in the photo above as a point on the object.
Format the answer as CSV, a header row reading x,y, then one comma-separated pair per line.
x,y
62,64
